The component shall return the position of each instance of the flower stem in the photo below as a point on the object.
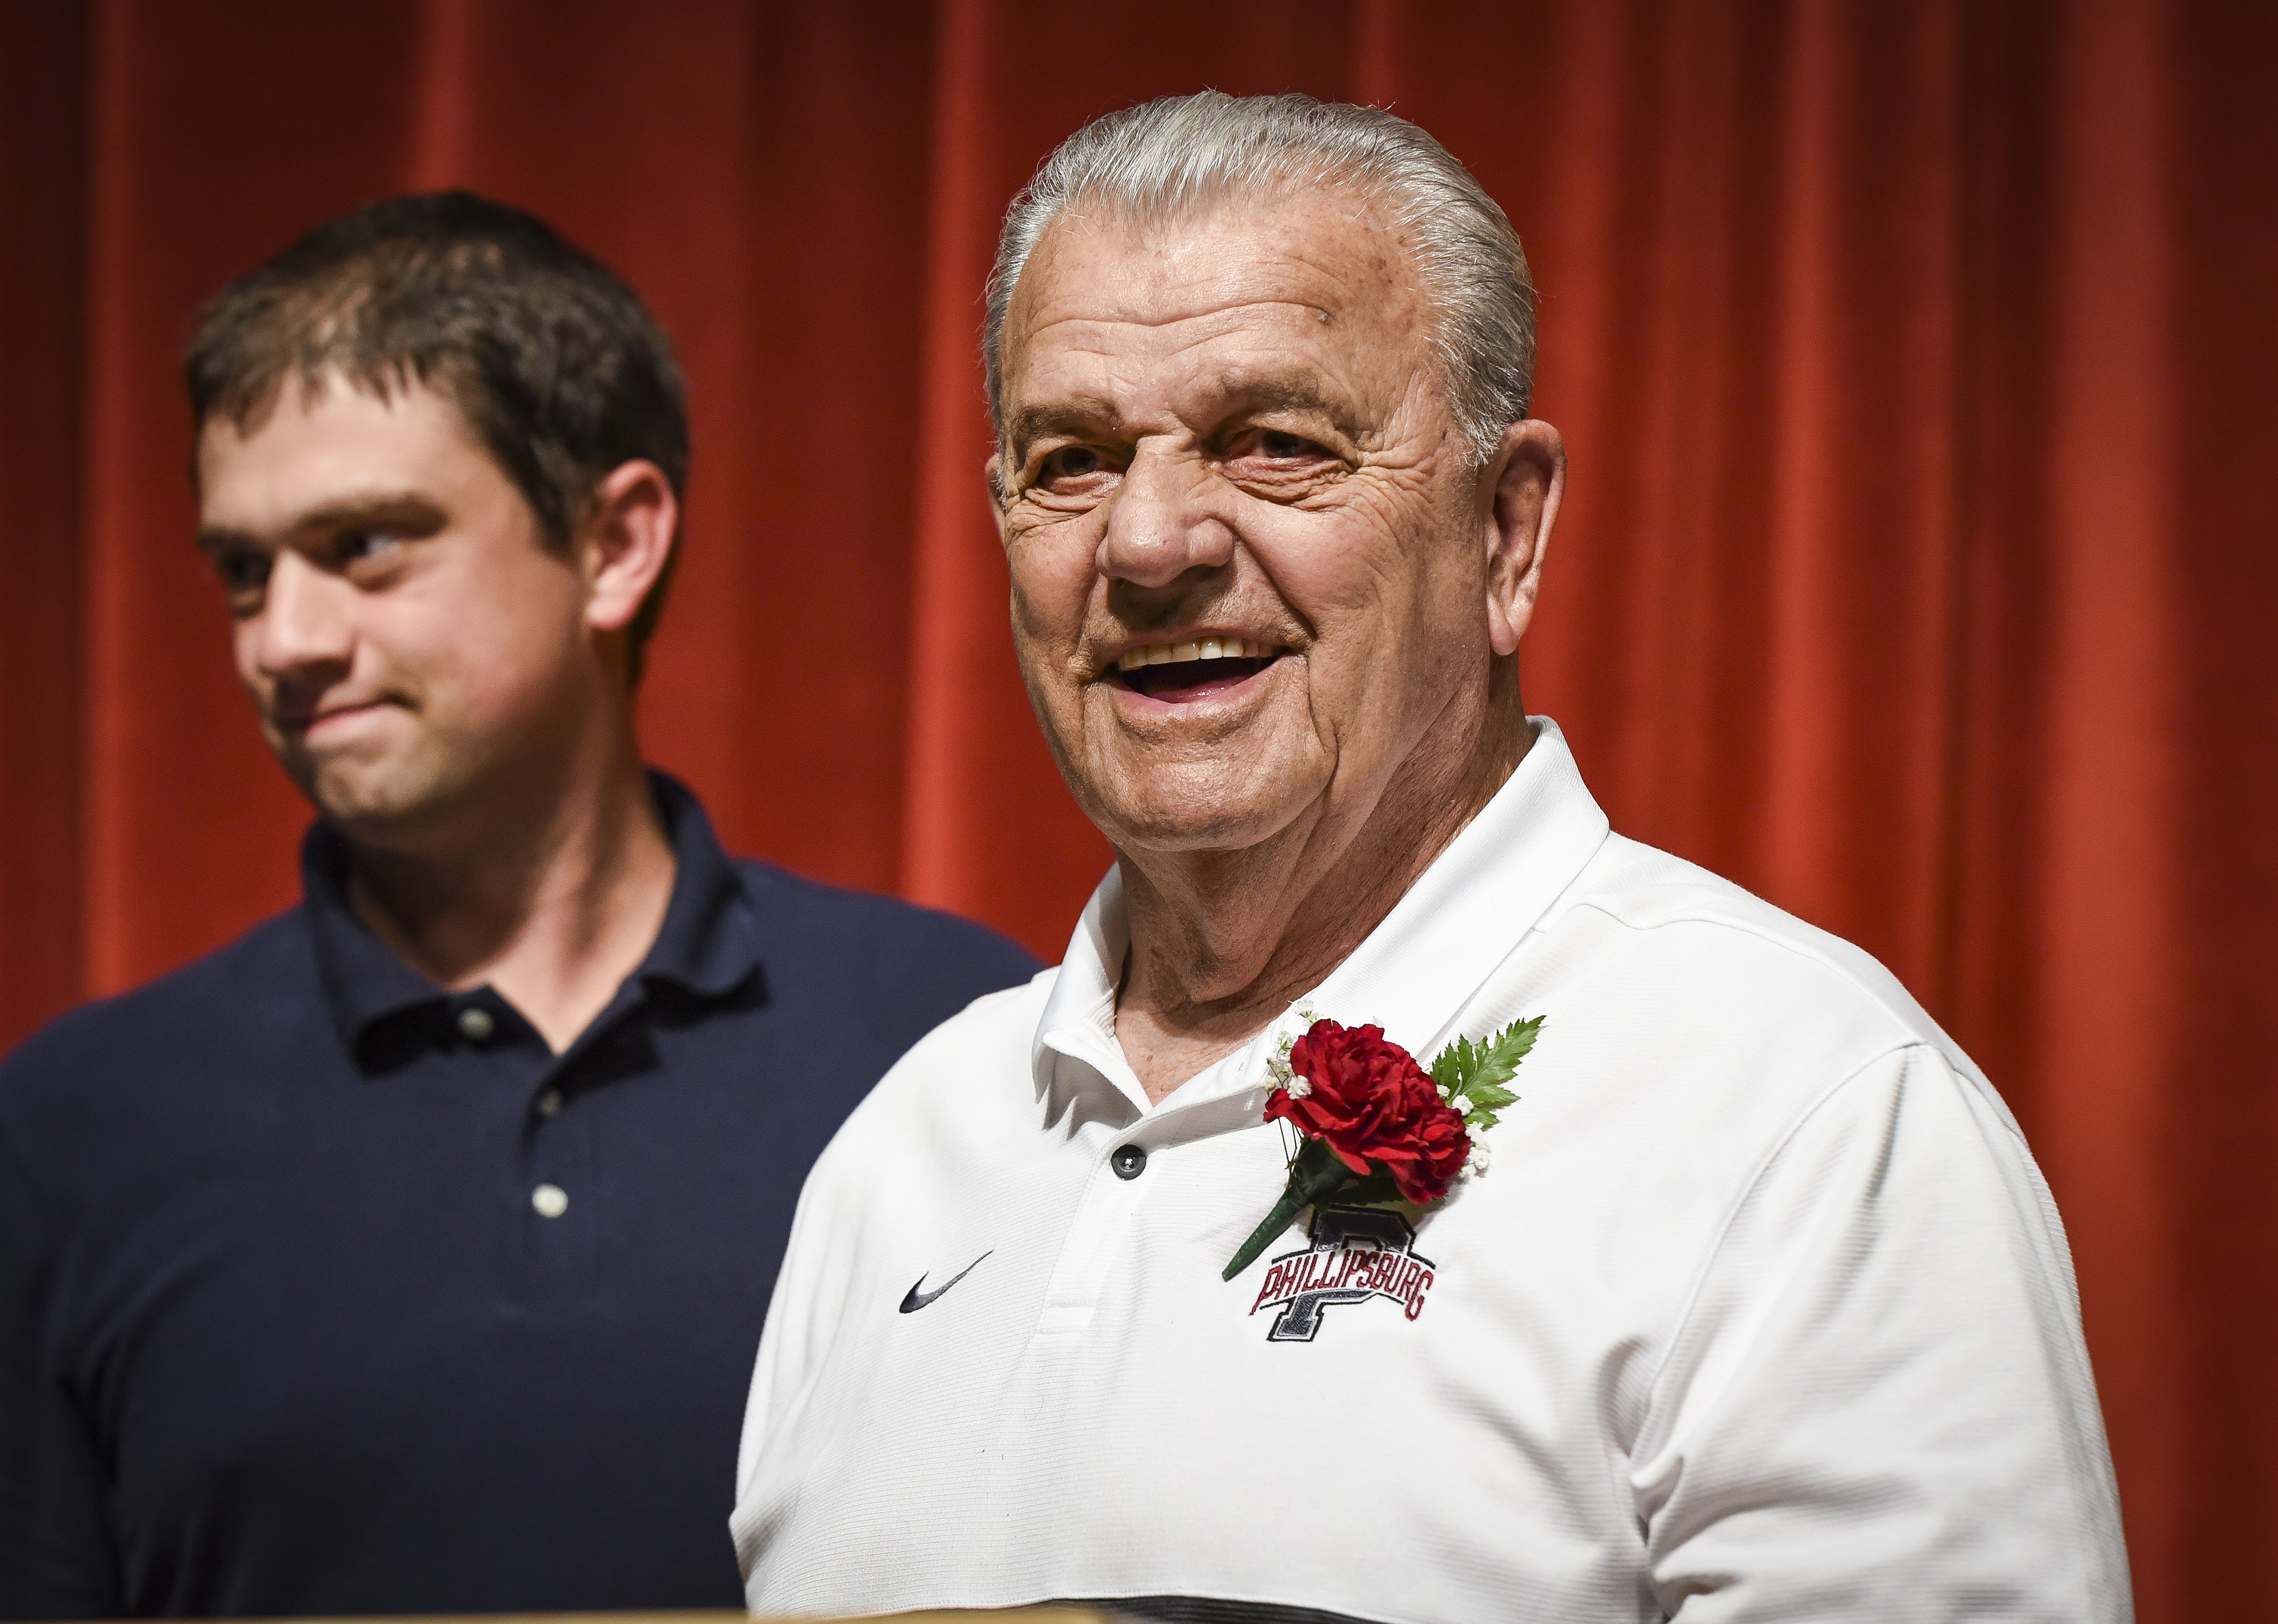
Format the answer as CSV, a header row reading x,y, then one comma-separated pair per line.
x,y
1315,1173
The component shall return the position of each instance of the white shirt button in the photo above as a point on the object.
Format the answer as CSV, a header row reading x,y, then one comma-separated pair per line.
x,y
476,1023
549,1104
551,1200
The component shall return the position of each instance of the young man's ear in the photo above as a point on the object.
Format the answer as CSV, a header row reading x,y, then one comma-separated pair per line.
x,y
626,542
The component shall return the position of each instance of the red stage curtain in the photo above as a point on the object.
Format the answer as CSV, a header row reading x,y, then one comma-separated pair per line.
x,y
1918,362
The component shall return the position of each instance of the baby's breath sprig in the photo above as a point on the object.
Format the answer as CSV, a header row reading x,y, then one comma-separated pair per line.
x,y
1277,1065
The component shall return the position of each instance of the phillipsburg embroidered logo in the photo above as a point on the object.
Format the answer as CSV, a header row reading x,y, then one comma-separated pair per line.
x,y
1358,1253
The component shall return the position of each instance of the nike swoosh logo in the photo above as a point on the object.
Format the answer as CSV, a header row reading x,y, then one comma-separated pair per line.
x,y
918,1300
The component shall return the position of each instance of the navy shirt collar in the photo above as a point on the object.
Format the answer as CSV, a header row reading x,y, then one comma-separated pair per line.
x,y
708,946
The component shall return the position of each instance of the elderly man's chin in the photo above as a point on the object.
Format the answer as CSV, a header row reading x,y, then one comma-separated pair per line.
x,y
1221,772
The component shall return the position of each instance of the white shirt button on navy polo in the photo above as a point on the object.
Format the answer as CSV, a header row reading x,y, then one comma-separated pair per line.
x,y
551,1200
1129,1161
475,1022
549,1104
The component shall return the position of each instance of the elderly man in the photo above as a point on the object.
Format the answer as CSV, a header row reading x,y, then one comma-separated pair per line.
x,y
1761,1310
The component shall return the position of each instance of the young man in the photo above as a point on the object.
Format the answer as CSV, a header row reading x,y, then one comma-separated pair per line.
x,y
372,1264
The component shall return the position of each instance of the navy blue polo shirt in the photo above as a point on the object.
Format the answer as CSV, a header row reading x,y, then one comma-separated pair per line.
x,y
322,1290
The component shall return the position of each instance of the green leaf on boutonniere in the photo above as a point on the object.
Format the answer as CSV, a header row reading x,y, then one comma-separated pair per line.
x,y
1474,1073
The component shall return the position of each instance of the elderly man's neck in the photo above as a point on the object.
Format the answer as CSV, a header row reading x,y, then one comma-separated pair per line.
x,y
1223,940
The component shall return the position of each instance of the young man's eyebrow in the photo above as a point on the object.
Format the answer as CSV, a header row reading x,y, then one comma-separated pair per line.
x,y
221,538
364,507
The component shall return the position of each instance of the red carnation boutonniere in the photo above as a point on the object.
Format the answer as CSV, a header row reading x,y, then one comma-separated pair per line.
x,y
1375,1126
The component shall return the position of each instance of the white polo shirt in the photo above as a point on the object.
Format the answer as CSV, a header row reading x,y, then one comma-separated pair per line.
x,y
1762,1312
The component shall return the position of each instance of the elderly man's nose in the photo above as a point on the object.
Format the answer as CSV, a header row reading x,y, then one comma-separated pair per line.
x,y
1159,526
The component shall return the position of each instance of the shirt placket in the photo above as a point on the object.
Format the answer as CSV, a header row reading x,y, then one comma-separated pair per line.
x,y
1122,1175
551,1202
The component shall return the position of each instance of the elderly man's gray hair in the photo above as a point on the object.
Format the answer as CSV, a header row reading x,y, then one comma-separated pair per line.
x,y
1181,153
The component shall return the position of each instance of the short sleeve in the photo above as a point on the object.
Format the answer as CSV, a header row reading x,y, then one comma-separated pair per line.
x,y
1878,1405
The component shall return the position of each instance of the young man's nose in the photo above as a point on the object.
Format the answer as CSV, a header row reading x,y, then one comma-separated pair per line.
x,y
304,619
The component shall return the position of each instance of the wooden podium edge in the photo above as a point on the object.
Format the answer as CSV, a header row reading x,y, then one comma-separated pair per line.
x,y
1001,1615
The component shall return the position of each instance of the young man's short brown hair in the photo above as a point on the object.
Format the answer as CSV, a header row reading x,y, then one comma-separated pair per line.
x,y
558,366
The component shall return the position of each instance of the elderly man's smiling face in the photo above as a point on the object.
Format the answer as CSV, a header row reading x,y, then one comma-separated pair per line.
x,y
1251,554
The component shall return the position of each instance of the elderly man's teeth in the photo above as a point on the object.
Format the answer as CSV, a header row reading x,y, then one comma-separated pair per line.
x,y
1205,648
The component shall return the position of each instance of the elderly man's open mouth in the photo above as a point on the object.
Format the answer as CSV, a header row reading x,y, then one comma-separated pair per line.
x,y
1184,673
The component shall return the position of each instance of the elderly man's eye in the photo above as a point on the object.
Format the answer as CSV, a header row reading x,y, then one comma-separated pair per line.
x,y
1071,462
1274,446
1275,457
1071,467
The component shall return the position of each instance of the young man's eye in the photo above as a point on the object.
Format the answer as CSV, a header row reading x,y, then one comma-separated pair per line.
x,y
350,545
245,571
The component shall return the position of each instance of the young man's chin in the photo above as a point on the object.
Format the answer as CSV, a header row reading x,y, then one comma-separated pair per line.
x,y
372,805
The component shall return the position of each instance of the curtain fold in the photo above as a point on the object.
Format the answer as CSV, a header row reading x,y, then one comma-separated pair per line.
x,y
42,186
1918,568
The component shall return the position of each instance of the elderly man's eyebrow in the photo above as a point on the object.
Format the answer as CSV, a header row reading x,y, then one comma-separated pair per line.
x,y
1275,391
1072,416
1284,392
1244,391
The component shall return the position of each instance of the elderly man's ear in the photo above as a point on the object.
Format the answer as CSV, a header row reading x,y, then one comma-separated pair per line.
x,y
1529,469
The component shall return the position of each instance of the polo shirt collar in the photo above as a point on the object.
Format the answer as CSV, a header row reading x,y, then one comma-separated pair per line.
x,y
1413,975
709,944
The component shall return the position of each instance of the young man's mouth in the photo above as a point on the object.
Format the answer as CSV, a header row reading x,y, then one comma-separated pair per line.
x,y
1183,673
